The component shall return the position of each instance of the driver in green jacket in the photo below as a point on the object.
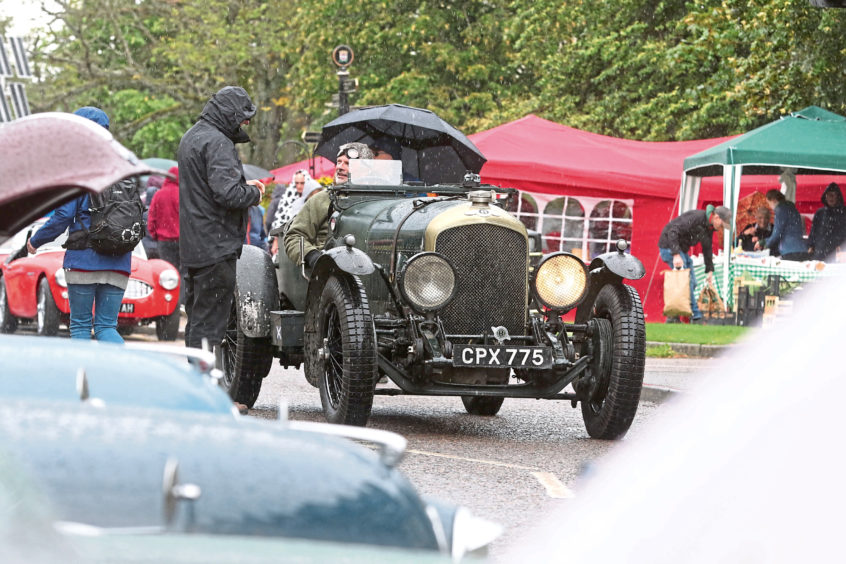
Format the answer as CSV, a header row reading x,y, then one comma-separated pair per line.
x,y
311,224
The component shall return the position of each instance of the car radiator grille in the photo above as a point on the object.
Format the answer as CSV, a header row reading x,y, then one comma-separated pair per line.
x,y
136,289
491,277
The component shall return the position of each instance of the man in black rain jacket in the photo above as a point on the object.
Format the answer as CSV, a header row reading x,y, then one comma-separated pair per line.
x,y
214,199
685,231
828,231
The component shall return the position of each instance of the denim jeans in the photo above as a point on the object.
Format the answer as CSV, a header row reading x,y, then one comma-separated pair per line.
x,y
667,257
104,300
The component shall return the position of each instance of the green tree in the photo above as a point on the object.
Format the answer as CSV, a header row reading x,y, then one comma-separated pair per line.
x,y
153,64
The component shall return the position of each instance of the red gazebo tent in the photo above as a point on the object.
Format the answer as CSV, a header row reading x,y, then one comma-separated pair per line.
x,y
547,160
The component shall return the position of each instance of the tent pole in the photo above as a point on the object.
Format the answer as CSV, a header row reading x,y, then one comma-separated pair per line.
x,y
731,193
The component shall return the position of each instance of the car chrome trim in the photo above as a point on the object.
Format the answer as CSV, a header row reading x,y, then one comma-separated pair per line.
x,y
438,528
85,530
391,445
471,533
202,360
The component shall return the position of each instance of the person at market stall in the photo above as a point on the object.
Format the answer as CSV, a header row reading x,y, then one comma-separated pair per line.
x,y
754,232
828,231
685,231
788,236
312,222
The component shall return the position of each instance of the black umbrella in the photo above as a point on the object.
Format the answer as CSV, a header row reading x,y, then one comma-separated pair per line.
x,y
432,150
253,172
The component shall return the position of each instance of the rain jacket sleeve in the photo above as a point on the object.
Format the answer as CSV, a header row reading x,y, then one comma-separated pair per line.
x,y
310,224
62,218
225,178
779,223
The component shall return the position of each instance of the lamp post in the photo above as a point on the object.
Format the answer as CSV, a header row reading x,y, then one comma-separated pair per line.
x,y
343,56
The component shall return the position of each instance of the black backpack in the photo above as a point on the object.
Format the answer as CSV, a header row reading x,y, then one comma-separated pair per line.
x,y
117,220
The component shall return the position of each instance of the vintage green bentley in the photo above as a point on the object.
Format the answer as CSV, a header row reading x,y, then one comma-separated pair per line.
x,y
435,289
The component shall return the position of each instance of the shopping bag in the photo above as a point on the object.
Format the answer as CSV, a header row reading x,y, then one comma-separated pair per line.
x,y
710,303
677,293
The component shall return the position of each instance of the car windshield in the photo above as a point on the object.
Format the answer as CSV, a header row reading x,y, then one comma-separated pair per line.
x,y
375,172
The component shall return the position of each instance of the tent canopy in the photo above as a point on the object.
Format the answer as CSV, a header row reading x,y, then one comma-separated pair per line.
x,y
543,156
810,141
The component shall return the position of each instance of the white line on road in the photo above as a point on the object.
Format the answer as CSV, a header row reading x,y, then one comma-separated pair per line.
x,y
554,487
491,462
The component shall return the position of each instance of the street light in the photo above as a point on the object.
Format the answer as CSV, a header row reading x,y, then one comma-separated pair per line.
x,y
343,56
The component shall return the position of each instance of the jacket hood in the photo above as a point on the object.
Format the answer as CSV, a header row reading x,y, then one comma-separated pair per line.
x,y
173,184
833,187
230,106
96,115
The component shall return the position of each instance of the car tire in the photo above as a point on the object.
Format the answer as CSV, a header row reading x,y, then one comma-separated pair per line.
x,y
345,351
609,411
47,314
8,322
167,326
476,405
245,361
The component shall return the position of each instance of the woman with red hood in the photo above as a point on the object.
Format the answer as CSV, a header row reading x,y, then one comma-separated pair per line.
x,y
163,220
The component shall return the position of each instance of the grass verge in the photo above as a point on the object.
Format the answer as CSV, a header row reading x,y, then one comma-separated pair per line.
x,y
695,334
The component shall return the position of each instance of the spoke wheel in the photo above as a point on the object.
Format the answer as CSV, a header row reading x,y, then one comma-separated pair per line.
x,y
245,361
614,392
345,352
47,314
8,322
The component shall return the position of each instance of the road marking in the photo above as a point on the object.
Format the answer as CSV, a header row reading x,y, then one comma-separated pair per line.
x,y
490,462
554,487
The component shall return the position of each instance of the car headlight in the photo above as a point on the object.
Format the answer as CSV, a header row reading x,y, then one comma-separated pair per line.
x,y
169,279
560,281
59,276
427,282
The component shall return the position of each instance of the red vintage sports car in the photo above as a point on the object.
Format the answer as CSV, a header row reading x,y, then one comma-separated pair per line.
x,y
33,288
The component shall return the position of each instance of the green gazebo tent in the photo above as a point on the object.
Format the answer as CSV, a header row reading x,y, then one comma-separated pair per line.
x,y
810,141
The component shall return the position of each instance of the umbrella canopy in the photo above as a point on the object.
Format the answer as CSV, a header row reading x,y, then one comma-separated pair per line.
x,y
159,163
432,150
50,158
253,172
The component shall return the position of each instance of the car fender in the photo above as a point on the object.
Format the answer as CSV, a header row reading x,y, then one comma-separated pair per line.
x,y
622,264
256,292
608,268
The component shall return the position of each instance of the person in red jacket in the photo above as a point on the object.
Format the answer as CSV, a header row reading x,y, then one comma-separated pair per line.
x,y
163,220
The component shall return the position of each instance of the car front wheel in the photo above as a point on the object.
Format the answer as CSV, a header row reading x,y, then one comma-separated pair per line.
x,y
345,351
8,322
245,361
617,369
167,326
47,314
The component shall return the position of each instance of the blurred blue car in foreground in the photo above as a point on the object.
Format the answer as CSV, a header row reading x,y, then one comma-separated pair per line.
x,y
135,374
137,452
